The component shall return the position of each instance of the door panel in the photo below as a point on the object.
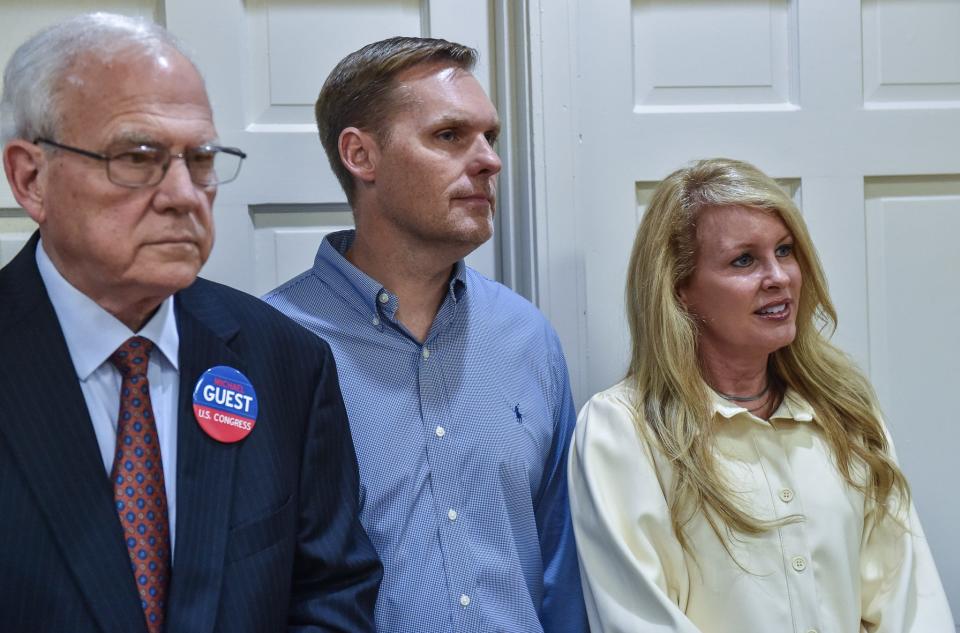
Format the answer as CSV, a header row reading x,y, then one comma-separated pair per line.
x,y
853,105
18,21
264,62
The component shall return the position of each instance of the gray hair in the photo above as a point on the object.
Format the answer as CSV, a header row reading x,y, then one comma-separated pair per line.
x,y
34,76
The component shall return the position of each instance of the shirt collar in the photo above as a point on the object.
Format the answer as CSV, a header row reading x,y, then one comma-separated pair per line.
x,y
458,280
93,334
332,265
793,407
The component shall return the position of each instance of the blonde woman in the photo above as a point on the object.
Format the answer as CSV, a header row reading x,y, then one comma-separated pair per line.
x,y
740,479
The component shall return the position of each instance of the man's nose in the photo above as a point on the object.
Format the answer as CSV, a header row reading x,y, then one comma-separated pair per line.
x,y
177,189
486,160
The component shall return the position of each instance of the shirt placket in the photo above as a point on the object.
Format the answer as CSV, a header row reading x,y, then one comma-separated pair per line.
x,y
444,452
794,545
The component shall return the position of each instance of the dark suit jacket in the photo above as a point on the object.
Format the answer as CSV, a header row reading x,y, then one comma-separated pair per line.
x,y
267,532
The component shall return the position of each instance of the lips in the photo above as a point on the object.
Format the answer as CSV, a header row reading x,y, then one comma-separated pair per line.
x,y
174,240
477,197
775,310
477,191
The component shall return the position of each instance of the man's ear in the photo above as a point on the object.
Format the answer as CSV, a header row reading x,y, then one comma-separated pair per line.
x,y
359,152
23,163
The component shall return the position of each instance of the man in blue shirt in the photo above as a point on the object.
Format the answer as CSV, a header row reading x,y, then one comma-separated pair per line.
x,y
456,387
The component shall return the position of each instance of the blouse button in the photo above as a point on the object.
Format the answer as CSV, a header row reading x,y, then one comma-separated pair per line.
x,y
786,495
799,563
441,431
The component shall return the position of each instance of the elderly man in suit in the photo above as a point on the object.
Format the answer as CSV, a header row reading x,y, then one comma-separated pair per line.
x,y
174,455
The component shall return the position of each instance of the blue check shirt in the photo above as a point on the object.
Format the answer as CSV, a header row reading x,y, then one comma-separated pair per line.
x,y
462,445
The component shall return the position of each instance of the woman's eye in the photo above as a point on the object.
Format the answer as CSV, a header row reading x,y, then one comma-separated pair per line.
x,y
784,250
743,261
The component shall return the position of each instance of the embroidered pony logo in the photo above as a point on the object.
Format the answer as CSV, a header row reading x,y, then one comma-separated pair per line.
x,y
516,412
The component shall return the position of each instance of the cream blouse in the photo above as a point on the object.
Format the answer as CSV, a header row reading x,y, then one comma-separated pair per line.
x,y
834,571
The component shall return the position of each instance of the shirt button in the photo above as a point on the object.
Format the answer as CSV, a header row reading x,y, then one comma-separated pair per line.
x,y
426,353
376,321
452,514
799,563
786,495
384,297
812,631
441,431
464,600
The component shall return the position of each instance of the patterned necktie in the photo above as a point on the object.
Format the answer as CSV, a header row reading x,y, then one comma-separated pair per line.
x,y
138,486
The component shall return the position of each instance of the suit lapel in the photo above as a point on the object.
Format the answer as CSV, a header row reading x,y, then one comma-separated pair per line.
x,y
205,469
48,429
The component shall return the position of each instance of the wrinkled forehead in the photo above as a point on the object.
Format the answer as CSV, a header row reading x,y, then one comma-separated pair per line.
x,y
128,69
99,90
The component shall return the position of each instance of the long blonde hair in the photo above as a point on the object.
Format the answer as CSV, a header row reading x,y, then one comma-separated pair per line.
x,y
674,401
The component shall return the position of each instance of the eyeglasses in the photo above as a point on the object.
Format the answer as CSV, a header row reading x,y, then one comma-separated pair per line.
x,y
146,165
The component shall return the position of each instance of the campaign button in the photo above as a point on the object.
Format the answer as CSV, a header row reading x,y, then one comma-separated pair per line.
x,y
225,404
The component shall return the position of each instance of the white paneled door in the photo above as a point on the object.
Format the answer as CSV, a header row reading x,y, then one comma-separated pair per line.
x,y
18,20
854,105
264,62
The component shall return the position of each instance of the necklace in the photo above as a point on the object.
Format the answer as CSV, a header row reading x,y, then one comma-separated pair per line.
x,y
752,398
776,400
760,406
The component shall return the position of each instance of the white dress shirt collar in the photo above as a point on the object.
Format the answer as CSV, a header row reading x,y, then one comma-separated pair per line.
x,y
92,333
